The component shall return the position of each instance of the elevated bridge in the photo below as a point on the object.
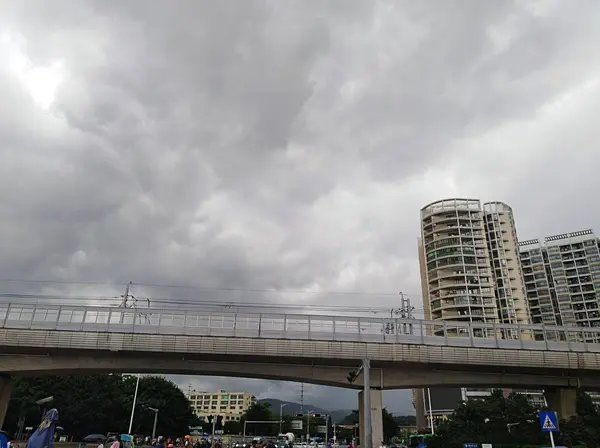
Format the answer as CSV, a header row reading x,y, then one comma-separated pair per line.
x,y
46,339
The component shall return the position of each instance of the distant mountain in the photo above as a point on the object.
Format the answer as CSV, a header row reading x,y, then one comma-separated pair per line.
x,y
290,407
337,415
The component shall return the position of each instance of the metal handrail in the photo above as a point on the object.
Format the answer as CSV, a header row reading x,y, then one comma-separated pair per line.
x,y
297,326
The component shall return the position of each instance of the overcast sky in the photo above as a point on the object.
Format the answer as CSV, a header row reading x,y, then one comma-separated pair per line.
x,y
283,145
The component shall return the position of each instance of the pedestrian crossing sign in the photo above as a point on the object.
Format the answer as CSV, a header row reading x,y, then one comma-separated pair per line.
x,y
548,421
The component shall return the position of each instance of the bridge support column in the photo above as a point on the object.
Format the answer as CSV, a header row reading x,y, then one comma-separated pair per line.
x,y
376,417
5,391
562,401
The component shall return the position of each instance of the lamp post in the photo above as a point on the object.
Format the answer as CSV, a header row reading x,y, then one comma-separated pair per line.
x,y
430,411
155,410
137,386
45,401
281,406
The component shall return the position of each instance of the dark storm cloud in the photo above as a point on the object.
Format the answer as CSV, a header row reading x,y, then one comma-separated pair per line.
x,y
282,145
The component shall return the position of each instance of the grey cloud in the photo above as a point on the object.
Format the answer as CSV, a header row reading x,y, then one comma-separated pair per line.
x,y
285,146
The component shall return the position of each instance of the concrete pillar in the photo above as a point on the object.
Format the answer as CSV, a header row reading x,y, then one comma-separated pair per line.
x,y
376,417
419,404
5,390
562,401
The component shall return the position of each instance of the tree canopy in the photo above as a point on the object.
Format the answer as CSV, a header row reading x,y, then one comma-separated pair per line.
x,y
513,421
100,404
390,422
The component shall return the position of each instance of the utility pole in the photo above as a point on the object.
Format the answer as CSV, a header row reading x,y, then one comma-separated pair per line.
x,y
126,296
404,312
409,315
126,304
155,410
366,367
125,301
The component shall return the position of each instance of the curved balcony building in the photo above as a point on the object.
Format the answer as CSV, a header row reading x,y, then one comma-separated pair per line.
x,y
455,265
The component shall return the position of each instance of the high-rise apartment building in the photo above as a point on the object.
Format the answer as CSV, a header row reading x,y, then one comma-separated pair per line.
x,y
562,279
470,263
231,405
470,271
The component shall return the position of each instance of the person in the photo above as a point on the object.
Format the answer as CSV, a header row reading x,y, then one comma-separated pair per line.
x,y
100,443
161,442
117,442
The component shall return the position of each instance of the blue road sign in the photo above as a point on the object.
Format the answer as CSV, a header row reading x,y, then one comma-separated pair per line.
x,y
548,421
470,445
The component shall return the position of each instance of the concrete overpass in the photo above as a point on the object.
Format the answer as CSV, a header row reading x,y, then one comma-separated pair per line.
x,y
42,339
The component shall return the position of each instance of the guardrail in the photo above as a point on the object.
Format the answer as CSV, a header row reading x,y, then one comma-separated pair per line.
x,y
296,326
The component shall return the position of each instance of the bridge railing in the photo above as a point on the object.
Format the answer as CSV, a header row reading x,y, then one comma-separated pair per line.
x,y
298,326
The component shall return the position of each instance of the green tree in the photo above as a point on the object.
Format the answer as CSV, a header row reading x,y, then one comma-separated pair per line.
x,y
232,427
406,420
350,419
175,414
583,429
390,426
100,404
494,419
260,412
86,404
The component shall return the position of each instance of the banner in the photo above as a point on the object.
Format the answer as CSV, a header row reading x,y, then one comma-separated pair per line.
x,y
43,437
3,441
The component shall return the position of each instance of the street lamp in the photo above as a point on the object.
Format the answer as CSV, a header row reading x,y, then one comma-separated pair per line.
x,y
137,385
430,411
281,406
155,410
45,401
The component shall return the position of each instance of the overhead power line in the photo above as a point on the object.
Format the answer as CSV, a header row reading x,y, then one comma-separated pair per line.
x,y
157,302
207,288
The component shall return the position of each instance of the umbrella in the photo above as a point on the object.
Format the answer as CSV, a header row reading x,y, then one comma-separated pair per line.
x,y
94,438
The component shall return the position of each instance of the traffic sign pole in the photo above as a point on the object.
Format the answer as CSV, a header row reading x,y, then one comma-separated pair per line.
x,y
549,423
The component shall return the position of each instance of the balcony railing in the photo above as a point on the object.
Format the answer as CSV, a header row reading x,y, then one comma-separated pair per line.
x,y
209,322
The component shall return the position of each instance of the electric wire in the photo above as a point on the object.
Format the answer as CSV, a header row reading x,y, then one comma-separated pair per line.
x,y
201,303
208,288
195,303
